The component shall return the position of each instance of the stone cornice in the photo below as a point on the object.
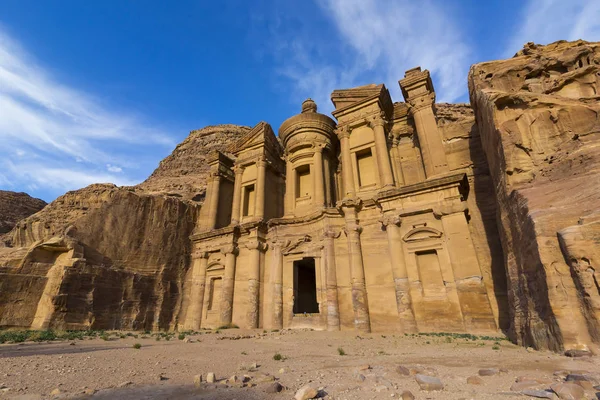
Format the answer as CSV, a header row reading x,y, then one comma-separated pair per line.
x,y
214,233
457,179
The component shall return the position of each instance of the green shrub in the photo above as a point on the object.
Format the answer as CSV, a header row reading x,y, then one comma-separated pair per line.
x,y
137,346
181,336
278,357
341,351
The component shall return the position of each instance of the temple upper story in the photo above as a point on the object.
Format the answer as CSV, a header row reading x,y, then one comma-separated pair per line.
x,y
315,162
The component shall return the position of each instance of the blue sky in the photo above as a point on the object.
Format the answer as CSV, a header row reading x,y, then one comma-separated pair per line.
x,y
101,91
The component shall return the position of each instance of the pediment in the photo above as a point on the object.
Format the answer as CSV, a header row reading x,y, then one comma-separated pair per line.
x,y
215,266
422,233
260,135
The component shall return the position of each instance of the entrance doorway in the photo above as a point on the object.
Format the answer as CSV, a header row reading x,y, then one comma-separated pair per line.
x,y
305,287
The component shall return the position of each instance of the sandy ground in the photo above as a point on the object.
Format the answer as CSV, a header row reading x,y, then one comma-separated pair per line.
x,y
99,369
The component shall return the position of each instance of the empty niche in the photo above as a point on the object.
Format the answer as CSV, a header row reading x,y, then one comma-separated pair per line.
x,y
366,169
214,292
430,273
303,181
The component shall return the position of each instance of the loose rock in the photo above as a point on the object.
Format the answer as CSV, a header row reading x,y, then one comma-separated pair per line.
x,y
488,371
407,395
210,377
474,380
273,387
568,391
429,383
306,392
197,380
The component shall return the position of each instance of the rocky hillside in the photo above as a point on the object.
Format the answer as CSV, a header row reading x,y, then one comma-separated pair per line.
x,y
16,206
114,257
538,115
184,172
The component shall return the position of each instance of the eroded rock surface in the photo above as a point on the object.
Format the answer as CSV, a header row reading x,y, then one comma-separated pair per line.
x,y
16,206
538,117
108,257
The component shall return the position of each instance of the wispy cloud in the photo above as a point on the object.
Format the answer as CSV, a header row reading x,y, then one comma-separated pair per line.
x,y
55,136
546,21
376,41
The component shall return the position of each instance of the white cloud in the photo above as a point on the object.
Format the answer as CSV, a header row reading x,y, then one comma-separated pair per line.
x,y
69,133
546,21
40,175
380,40
113,168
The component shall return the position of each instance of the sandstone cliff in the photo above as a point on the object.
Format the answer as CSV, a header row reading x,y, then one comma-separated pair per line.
x,y
184,172
109,257
538,116
16,206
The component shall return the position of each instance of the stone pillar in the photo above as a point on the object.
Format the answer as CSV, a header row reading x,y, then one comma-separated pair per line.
x,y
213,206
290,182
383,157
418,92
259,207
255,247
333,308
237,196
397,162
228,284
344,136
328,190
360,302
401,283
194,314
318,176
277,285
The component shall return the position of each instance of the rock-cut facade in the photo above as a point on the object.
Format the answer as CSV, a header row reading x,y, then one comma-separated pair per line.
x,y
357,224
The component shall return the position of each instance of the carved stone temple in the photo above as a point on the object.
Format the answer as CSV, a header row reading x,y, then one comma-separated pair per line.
x,y
406,216
343,225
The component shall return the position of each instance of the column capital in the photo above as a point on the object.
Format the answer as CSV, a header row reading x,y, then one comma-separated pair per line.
x,y
349,203
256,245
319,147
230,249
200,254
238,169
424,101
278,244
449,209
330,233
262,162
390,219
377,120
343,132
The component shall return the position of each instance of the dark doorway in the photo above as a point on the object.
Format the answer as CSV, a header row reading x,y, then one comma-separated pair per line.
x,y
305,287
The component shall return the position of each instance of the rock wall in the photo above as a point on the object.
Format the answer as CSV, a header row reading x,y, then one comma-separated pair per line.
x,y
538,116
16,206
108,257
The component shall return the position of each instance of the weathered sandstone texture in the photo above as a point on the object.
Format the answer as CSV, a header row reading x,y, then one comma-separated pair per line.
x,y
184,172
106,256
16,206
538,117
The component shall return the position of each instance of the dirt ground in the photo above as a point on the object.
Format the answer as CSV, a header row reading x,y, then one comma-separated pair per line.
x,y
114,369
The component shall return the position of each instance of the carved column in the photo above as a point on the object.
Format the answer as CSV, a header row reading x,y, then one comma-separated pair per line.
x,y
333,308
255,247
194,313
319,183
226,308
277,284
360,302
397,161
214,200
344,137
383,157
328,190
259,207
418,92
401,283
237,196
290,182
